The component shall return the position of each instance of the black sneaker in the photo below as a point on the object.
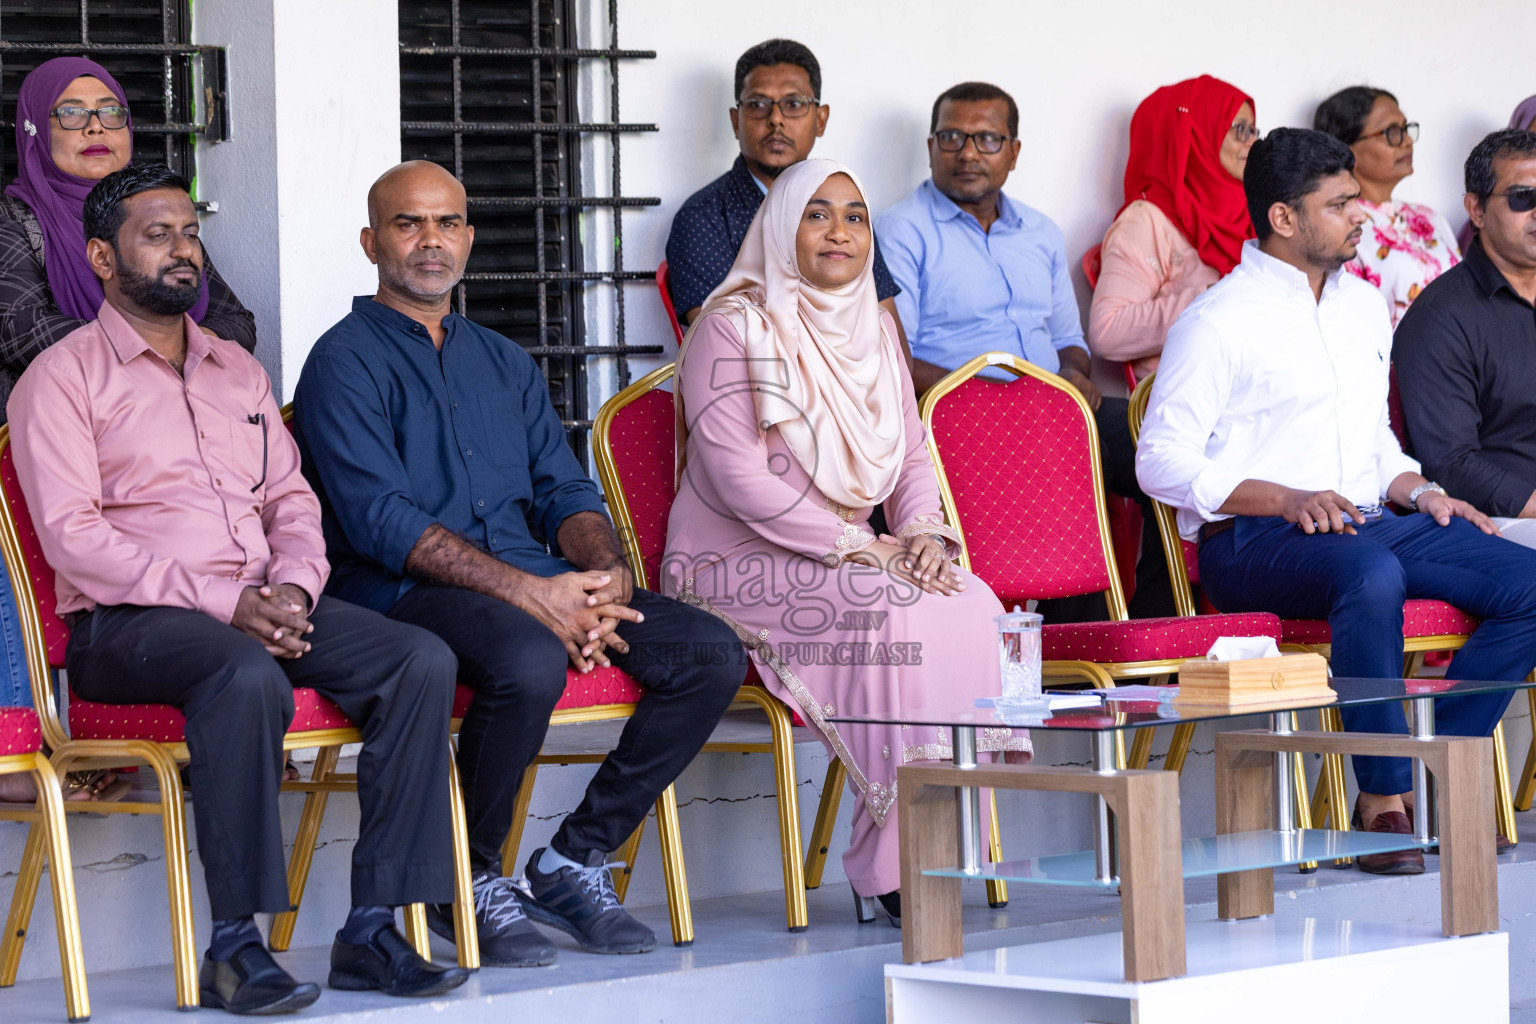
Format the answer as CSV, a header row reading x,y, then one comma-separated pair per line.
x,y
581,901
507,937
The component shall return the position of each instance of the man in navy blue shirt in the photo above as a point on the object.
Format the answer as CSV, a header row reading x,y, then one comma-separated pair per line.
x,y
777,118
451,501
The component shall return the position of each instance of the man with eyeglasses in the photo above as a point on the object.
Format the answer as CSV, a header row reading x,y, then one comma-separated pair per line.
x,y
777,119
1465,352
981,272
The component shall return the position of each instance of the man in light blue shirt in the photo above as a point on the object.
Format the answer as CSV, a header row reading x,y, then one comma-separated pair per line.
x,y
980,272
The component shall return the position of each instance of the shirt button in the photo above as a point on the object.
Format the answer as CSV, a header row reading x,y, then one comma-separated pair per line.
x,y
218,482
237,529
455,405
469,451
240,575
481,503
201,434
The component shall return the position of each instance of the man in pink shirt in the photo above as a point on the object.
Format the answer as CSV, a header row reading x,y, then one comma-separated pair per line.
x,y
189,559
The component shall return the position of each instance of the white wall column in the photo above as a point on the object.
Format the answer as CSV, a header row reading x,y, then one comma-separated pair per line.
x,y
314,94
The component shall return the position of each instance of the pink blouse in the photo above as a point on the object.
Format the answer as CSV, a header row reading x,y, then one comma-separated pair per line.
x,y
1150,272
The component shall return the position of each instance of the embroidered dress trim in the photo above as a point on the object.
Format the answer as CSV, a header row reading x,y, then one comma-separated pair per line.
x,y
928,524
854,539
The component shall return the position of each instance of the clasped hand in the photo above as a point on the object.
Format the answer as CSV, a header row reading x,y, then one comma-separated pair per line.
x,y
277,616
921,561
584,610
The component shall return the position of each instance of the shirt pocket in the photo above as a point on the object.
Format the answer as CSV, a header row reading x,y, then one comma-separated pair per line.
x,y
506,436
248,454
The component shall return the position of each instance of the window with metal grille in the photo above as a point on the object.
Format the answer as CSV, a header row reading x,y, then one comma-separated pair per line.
x,y
175,90
488,90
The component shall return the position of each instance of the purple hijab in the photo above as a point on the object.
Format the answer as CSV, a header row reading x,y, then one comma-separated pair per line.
x,y
1523,116
57,197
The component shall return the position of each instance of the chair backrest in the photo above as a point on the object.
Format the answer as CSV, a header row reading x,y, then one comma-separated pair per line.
x,y
1180,554
1020,480
633,440
1092,264
45,637
664,285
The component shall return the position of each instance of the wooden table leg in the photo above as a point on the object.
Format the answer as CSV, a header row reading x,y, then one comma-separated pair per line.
x,y
930,912
1151,877
1469,885
1245,802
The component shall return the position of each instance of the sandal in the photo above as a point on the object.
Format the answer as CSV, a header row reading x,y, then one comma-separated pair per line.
x,y
95,785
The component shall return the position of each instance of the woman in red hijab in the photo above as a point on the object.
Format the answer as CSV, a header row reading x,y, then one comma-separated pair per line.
x,y
1184,220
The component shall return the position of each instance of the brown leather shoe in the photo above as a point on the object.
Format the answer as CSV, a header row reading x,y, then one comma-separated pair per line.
x,y
1400,862
1501,844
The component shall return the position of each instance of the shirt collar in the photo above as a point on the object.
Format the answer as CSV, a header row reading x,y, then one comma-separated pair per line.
x,y
745,183
129,344
384,316
945,208
1283,275
1489,278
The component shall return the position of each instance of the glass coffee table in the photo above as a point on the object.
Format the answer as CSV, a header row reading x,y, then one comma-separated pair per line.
x,y
1138,842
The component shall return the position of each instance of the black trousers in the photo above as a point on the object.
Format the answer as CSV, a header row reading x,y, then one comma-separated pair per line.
x,y
689,662
394,681
1154,589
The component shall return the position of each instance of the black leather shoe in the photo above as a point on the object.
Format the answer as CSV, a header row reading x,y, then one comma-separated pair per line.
x,y
250,982
390,964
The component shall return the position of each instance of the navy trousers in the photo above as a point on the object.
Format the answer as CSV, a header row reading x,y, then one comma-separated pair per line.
x,y
1359,583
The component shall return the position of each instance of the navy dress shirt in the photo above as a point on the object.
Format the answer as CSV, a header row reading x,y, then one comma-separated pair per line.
x,y
707,234
397,436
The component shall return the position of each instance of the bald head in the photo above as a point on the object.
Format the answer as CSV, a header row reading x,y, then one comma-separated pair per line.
x,y
396,186
418,234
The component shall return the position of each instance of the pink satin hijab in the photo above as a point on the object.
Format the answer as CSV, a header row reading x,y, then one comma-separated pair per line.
x,y
820,363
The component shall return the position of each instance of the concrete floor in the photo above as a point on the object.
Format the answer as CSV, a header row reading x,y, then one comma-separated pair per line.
x,y
746,968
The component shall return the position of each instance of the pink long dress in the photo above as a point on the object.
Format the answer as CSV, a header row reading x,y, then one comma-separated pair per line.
x,y
752,540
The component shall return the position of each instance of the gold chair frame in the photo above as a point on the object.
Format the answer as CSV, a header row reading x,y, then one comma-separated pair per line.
x,y
47,838
1330,791
163,759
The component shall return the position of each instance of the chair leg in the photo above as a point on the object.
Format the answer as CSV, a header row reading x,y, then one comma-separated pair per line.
x,y
628,854
1141,748
23,897
1178,746
797,918
1503,806
673,869
66,915
416,933
466,934
826,819
304,842
509,846
1302,806
173,824
1528,777
1332,804
997,889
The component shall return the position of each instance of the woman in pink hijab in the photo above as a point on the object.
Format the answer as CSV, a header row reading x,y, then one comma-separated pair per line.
x,y
796,418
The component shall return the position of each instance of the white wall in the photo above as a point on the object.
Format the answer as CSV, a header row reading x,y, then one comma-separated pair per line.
x,y
315,98
1077,72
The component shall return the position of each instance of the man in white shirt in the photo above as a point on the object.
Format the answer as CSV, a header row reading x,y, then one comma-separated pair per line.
x,y
1268,431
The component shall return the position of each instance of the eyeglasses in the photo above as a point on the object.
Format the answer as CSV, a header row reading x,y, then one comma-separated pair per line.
x,y
75,119
792,107
1520,200
952,141
1395,133
1243,131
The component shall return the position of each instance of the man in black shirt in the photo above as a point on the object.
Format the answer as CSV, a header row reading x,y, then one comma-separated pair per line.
x,y
777,118
1465,353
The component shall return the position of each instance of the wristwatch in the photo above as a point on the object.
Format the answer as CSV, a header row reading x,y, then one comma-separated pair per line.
x,y
1424,488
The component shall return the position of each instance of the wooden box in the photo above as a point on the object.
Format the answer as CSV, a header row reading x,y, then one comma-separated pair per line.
x,y
1274,682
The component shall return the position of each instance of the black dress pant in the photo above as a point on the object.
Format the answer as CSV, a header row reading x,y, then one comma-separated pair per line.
x,y
394,681
1154,589
689,663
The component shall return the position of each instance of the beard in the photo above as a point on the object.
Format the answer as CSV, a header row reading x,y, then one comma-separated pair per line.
x,y
1322,253
154,293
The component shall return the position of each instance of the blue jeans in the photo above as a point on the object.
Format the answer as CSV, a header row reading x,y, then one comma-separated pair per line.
x,y
15,689
1359,583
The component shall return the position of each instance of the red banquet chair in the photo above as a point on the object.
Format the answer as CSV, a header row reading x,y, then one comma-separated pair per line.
x,y
21,751
603,694
1428,625
112,735
664,285
1020,479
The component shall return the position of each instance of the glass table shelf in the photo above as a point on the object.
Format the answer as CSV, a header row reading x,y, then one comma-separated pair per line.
x,y
1208,855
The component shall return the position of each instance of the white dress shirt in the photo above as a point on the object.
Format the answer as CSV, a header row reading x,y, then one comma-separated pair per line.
x,y
1262,381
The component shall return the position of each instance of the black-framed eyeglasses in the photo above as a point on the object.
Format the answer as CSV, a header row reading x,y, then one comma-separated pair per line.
x,y
1243,131
1520,200
792,107
952,140
1395,133
76,119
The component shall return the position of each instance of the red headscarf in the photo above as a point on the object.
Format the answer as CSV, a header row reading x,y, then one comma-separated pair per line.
x,y
1175,163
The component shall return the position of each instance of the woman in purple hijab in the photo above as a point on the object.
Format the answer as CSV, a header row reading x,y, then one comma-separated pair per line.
x,y
73,128
1524,118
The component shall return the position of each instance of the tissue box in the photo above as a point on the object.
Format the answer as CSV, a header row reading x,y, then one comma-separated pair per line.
x,y
1274,682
